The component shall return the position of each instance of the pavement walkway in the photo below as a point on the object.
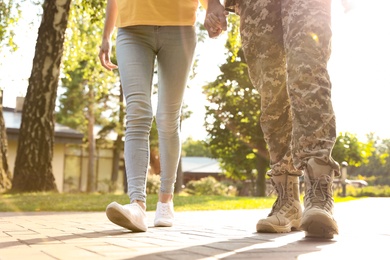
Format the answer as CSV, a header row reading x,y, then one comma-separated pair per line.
x,y
364,234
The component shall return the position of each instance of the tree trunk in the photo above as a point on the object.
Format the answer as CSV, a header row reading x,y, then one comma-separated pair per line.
x,y
33,165
179,173
252,189
262,166
5,175
179,178
260,180
115,165
118,146
91,181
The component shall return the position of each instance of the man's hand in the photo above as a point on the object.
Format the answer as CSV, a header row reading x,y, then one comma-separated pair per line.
x,y
215,21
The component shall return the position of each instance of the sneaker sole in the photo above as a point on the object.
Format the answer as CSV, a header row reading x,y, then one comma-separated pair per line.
x,y
161,223
117,215
269,228
319,226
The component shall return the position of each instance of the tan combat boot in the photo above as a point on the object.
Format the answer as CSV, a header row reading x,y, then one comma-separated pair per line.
x,y
317,220
286,212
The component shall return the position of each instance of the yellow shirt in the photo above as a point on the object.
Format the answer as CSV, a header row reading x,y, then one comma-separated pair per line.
x,y
156,12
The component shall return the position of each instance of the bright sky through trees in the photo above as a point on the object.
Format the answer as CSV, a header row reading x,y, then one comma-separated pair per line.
x,y
359,69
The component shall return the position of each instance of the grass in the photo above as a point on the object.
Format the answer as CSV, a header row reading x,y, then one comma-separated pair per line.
x,y
40,202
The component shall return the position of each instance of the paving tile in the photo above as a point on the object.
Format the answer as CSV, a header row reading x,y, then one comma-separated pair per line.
x,y
69,252
202,235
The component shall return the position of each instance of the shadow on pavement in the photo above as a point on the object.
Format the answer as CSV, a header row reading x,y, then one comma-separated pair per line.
x,y
258,246
36,241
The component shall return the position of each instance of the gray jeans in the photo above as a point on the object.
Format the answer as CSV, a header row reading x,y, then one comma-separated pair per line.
x,y
137,49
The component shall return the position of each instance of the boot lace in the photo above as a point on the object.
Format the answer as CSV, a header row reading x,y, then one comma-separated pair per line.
x,y
280,200
319,192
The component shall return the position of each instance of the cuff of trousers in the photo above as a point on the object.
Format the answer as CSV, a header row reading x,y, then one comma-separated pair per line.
x,y
272,172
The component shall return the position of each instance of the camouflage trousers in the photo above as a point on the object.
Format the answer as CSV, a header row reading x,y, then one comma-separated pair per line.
x,y
287,45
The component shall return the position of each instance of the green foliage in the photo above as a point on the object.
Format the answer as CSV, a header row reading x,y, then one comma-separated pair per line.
x,y
153,184
9,15
349,149
81,71
210,186
375,166
369,191
201,30
95,8
195,148
374,180
380,150
233,117
73,102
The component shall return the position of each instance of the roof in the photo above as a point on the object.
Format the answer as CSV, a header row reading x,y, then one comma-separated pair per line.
x,y
200,165
62,134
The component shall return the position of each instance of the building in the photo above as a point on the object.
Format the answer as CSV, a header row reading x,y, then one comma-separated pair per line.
x,y
63,136
70,158
196,168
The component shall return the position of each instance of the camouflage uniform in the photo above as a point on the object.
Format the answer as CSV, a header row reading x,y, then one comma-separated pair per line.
x,y
287,45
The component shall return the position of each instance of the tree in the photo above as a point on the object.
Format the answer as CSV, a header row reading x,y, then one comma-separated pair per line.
x,y
81,71
33,165
90,93
185,114
377,166
5,175
118,145
233,118
195,148
9,15
7,19
367,160
349,149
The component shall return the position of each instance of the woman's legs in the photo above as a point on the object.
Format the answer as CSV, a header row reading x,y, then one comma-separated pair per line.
x,y
137,47
175,58
136,55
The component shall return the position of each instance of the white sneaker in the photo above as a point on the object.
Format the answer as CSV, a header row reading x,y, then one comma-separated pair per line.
x,y
130,216
164,215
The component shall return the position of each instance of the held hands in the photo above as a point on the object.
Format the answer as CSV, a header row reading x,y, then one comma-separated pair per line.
x,y
215,21
104,55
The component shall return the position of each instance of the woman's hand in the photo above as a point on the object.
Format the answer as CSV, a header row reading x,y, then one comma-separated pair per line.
x,y
104,55
215,21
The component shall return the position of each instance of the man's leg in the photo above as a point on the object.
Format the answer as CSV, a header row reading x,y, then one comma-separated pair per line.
x,y
262,38
307,37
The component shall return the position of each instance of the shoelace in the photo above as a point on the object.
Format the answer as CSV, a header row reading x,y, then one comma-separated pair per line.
x,y
282,196
319,192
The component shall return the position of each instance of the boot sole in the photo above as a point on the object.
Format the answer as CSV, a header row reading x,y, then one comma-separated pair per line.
x,y
319,226
117,215
269,228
